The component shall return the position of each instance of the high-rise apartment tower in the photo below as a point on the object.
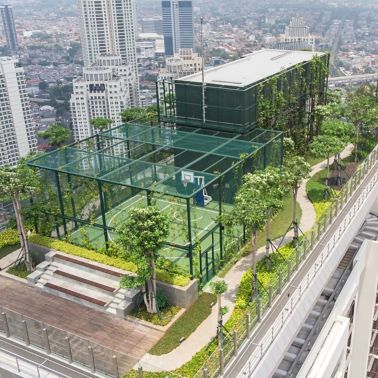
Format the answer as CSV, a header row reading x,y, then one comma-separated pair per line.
x,y
177,25
17,129
108,27
9,27
103,91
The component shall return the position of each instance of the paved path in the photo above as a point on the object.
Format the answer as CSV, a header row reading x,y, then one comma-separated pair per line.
x,y
9,259
207,330
129,339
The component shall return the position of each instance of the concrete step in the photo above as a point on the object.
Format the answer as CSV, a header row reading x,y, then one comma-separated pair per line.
x,y
88,266
355,245
77,287
290,356
90,276
280,373
327,292
367,235
298,342
111,310
372,228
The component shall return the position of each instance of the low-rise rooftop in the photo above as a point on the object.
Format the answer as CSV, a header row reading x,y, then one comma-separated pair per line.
x,y
253,67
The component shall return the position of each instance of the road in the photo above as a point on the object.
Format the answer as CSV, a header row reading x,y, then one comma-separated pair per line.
x,y
353,78
237,365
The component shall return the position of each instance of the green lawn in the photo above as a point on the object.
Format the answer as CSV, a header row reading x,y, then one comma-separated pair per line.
x,y
281,222
279,226
185,325
315,189
315,160
18,270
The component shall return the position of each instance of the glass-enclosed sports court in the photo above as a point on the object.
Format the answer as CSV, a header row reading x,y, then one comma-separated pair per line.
x,y
190,174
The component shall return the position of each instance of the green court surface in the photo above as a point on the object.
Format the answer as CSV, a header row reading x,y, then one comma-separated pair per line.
x,y
203,220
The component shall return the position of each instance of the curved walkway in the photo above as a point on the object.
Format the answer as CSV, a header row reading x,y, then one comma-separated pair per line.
x,y
207,330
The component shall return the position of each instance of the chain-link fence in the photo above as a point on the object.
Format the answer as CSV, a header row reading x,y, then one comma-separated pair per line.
x,y
71,348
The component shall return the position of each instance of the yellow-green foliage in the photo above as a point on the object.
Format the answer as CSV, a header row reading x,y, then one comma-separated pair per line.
x,y
278,260
9,237
321,208
59,245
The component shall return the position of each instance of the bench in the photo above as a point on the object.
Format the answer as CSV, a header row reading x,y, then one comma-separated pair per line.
x,y
85,281
88,265
75,294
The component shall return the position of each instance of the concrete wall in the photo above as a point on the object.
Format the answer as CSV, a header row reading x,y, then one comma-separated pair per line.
x,y
178,295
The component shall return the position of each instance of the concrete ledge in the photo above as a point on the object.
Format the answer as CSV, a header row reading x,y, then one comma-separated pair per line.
x,y
35,276
178,295
124,308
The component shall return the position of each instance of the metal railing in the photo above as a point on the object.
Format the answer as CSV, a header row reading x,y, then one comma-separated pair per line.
x,y
17,364
216,362
69,347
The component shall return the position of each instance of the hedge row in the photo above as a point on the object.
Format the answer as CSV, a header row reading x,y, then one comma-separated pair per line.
x,y
9,237
59,245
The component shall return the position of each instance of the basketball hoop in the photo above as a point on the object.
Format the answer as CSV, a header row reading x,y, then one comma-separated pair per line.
x,y
187,177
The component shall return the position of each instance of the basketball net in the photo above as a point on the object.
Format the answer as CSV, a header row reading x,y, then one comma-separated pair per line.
x,y
185,183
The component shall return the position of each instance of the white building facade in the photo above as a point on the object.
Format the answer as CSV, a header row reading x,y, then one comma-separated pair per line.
x,y
108,27
105,90
17,129
297,37
184,63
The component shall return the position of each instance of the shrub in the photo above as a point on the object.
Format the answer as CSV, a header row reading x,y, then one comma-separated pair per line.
x,y
161,300
9,237
116,262
19,270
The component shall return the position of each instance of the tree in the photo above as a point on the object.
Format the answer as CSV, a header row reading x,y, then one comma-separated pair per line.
x,y
101,123
56,135
143,115
248,211
296,169
362,112
218,288
326,145
17,183
142,236
269,190
43,85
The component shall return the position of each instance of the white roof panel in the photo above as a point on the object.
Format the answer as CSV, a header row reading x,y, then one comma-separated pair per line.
x,y
252,68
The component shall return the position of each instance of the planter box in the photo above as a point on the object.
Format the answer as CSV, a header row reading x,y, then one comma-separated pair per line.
x,y
181,296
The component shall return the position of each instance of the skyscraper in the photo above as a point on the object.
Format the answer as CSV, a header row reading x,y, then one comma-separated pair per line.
x,y
9,27
108,27
17,130
103,91
177,25
297,36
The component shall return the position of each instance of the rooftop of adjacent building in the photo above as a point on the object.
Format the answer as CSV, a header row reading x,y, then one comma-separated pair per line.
x,y
253,67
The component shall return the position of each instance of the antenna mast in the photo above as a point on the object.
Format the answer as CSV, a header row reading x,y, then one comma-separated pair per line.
x,y
203,76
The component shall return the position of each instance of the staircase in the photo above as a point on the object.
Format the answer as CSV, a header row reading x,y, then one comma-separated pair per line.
x,y
301,345
88,283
